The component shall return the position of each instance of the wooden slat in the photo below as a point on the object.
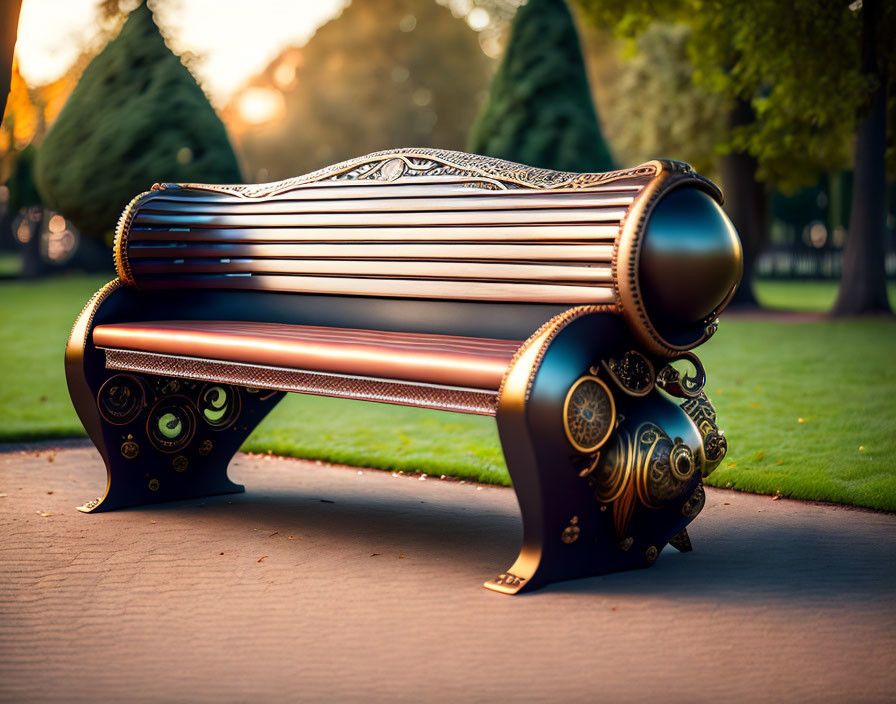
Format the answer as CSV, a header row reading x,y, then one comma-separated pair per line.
x,y
471,271
378,219
401,251
401,288
506,200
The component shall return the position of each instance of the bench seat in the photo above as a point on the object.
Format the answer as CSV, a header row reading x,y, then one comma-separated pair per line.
x,y
385,361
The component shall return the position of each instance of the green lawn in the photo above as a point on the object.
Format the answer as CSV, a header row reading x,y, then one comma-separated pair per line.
x,y
764,377
810,296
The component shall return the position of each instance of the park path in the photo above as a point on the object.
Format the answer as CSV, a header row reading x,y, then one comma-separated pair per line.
x,y
341,585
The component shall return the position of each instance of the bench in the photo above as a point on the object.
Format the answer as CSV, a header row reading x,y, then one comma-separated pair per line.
x,y
565,305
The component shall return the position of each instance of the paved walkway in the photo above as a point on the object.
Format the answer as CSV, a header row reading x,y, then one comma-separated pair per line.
x,y
325,584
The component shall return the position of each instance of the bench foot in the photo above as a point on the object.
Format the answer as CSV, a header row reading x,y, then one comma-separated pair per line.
x,y
607,470
168,439
681,541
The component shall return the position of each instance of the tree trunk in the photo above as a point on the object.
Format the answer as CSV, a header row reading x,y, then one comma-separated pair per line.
x,y
33,264
863,283
746,203
9,25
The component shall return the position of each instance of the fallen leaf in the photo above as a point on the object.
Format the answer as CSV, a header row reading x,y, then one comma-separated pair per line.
x,y
152,521
760,455
46,515
291,537
51,457
220,553
777,496
400,556
276,532
3,496
373,554
779,462
732,464
262,558
726,503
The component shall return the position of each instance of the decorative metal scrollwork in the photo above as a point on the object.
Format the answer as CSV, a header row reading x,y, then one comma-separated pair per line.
x,y
715,446
219,405
672,382
694,503
589,414
645,467
121,399
171,424
633,373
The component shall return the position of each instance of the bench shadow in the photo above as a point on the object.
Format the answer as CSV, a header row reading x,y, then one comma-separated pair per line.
x,y
810,561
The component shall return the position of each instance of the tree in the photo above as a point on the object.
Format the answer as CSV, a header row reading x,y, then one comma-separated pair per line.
x,y
649,105
137,116
796,82
863,286
539,110
24,199
384,74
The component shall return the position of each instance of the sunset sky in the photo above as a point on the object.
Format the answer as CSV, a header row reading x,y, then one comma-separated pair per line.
x,y
234,39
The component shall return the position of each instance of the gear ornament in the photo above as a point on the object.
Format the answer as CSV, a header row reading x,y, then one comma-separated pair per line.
x,y
589,414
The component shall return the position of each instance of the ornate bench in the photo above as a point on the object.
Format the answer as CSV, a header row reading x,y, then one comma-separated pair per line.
x,y
563,304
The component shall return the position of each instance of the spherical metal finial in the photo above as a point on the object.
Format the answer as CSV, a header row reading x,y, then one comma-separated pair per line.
x,y
691,261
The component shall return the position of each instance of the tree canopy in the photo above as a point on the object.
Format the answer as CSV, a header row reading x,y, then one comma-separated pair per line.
x,y
383,74
810,83
137,116
539,110
797,63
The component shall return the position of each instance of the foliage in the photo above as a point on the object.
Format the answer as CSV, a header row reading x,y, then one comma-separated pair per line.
x,y
136,116
539,110
22,191
797,63
654,108
763,376
384,74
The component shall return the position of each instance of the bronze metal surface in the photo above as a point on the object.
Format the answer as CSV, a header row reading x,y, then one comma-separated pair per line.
x,y
432,359
443,398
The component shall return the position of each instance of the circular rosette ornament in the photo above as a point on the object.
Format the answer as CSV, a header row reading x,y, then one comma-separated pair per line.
x,y
589,414
121,399
171,424
219,405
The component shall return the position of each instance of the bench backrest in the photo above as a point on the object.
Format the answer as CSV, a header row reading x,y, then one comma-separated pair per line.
x,y
420,224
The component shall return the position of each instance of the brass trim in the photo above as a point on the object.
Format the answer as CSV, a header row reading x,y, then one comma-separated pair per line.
x,y
120,242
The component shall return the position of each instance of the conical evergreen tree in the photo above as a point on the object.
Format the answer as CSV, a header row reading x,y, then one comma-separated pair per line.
x,y
539,110
137,116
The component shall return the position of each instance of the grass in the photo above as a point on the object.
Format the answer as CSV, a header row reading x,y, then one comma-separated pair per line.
x,y
809,296
764,376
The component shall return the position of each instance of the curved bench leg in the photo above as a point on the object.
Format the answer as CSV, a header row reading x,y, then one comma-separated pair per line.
x,y
166,439
162,439
607,470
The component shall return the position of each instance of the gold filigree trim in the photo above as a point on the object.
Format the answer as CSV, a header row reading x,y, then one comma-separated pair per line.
x,y
439,162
